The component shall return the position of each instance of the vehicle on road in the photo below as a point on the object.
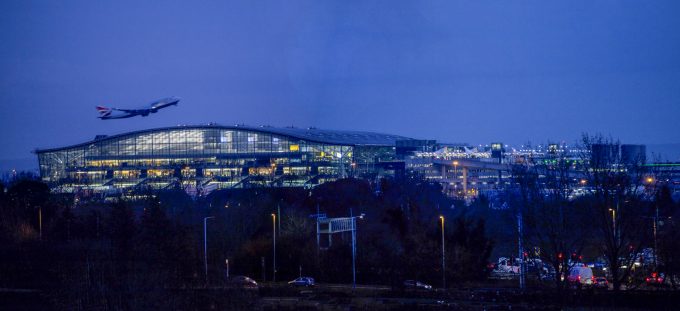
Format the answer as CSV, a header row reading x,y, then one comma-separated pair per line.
x,y
413,284
655,279
601,282
302,281
241,281
581,276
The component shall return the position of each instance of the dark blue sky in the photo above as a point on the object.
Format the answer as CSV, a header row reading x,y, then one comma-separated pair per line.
x,y
473,71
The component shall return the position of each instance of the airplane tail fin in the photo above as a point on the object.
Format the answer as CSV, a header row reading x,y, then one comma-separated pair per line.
x,y
103,111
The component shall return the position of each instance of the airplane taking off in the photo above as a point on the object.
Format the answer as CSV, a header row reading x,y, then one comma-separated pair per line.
x,y
106,113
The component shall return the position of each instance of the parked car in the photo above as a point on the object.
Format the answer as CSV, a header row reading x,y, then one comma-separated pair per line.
x,y
302,281
581,276
413,284
601,282
242,282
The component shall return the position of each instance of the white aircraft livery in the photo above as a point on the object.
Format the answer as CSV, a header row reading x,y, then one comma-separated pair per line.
x,y
106,113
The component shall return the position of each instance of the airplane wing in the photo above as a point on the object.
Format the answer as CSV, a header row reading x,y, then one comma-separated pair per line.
x,y
131,110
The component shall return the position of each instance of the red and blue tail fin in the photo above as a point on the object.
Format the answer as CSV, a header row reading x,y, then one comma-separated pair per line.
x,y
103,111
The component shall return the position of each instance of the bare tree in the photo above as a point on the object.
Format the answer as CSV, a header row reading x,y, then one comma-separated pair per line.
x,y
618,203
555,224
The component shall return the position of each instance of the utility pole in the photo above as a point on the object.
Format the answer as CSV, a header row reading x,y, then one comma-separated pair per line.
x,y
205,246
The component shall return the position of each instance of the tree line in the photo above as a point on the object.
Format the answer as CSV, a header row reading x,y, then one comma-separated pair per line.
x,y
136,254
602,208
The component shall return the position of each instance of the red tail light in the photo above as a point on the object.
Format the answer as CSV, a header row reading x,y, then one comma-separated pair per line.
x,y
647,280
659,280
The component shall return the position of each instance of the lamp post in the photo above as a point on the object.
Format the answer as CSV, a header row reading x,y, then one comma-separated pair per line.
x,y
274,254
354,250
443,255
520,250
613,221
205,245
227,262
353,223
40,222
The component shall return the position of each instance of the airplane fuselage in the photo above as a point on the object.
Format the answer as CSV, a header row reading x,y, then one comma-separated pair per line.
x,y
118,113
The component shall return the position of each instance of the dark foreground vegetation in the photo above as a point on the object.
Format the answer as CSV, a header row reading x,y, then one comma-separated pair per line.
x,y
147,252
136,255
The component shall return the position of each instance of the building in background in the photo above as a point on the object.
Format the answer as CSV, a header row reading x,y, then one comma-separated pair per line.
x,y
199,159
203,158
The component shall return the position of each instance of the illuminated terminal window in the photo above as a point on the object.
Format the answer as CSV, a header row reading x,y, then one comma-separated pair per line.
x,y
224,155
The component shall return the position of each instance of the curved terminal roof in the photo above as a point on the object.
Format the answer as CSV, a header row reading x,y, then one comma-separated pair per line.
x,y
334,137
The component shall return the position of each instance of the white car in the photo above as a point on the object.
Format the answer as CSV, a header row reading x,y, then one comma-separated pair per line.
x,y
412,284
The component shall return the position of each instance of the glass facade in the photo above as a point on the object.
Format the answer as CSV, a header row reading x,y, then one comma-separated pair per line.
x,y
213,157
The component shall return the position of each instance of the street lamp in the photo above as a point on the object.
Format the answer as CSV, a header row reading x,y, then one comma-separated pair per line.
x,y
443,255
613,221
227,262
40,221
205,245
354,246
274,259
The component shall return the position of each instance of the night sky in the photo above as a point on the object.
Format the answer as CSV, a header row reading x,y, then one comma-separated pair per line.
x,y
472,71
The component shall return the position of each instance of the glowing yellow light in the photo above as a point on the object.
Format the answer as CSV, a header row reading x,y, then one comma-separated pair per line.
x,y
294,147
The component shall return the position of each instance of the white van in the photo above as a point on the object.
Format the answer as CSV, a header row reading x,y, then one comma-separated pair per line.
x,y
581,275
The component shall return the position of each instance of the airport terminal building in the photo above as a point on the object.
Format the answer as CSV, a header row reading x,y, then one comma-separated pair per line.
x,y
207,157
